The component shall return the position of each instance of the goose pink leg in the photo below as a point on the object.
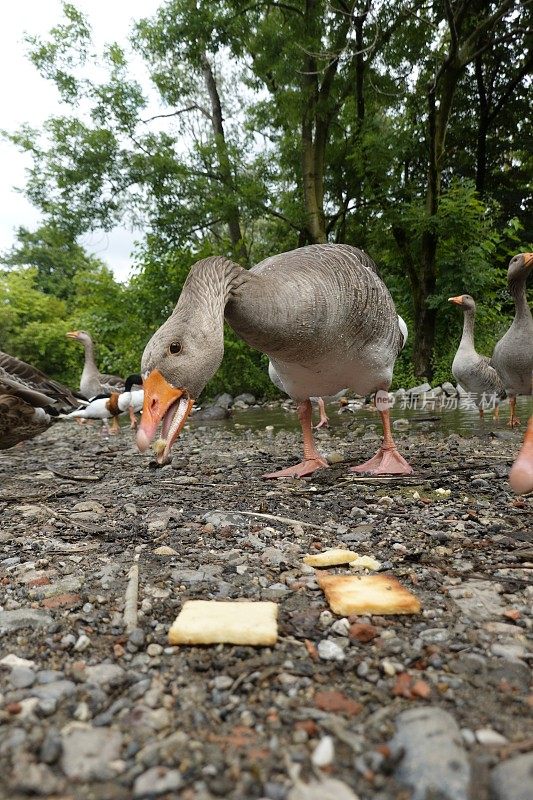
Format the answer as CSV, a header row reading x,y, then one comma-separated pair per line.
x,y
324,419
521,475
312,459
387,460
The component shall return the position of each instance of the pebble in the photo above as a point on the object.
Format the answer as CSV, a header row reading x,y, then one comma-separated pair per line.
x,y
330,651
489,737
22,677
154,650
433,762
156,781
87,753
82,643
513,779
324,753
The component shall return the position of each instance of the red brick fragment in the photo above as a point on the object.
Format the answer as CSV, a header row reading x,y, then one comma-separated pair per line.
x,y
337,703
421,689
13,708
363,632
512,613
65,600
311,649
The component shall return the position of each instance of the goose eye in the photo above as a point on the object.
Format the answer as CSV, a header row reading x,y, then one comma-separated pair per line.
x,y
174,348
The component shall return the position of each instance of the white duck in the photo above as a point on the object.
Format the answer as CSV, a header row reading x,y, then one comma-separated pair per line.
x,y
321,314
109,406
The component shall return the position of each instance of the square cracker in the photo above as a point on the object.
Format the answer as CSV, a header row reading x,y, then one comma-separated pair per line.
x,y
221,622
369,594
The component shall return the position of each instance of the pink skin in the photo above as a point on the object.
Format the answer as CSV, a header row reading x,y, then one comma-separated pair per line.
x,y
312,459
513,419
387,460
521,475
324,419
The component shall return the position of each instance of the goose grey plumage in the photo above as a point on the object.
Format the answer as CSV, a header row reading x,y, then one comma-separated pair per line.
x,y
323,421
513,354
29,400
470,369
321,314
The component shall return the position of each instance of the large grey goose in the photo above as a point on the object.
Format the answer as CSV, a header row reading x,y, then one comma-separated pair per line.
x,y
29,400
321,314
513,354
472,370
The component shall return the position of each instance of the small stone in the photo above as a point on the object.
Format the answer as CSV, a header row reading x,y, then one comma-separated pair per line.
x,y
24,618
136,637
329,650
156,781
433,763
513,779
341,627
164,550
88,752
154,650
337,703
489,737
222,682
22,677
11,660
324,752
82,643
105,674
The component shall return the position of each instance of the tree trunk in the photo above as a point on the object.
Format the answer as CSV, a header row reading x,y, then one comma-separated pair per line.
x,y
224,165
482,128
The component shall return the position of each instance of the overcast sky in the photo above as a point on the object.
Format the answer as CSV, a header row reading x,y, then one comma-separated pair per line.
x,y
26,97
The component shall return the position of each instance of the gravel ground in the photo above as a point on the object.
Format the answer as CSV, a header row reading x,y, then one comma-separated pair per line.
x,y
435,705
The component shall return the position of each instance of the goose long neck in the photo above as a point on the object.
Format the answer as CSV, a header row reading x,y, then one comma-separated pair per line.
x,y
517,290
209,286
89,368
467,338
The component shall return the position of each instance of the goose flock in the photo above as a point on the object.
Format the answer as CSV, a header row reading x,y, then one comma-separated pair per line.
x,y
327,323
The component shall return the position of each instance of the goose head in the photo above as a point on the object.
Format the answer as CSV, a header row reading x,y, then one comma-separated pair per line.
x,y
520,267
80,336
177,362
464,300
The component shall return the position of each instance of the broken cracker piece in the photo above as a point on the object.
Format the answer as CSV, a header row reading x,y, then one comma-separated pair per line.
x,y
221,622
330,558
365,562
368,594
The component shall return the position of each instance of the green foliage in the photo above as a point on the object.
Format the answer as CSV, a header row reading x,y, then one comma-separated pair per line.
x,y
230,152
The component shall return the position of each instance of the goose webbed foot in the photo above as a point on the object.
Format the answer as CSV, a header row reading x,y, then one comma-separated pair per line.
x,y
133,418
514,422
301,470
387,461
521,475
324,423
115,427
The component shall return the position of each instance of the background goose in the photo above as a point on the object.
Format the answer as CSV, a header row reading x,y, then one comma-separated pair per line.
x,y
321,314
513,354
29,400
92,381
521,475
470,369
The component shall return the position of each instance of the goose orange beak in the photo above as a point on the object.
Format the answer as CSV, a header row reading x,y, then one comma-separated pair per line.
x,y
72,334
162,403
457,300
528,258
